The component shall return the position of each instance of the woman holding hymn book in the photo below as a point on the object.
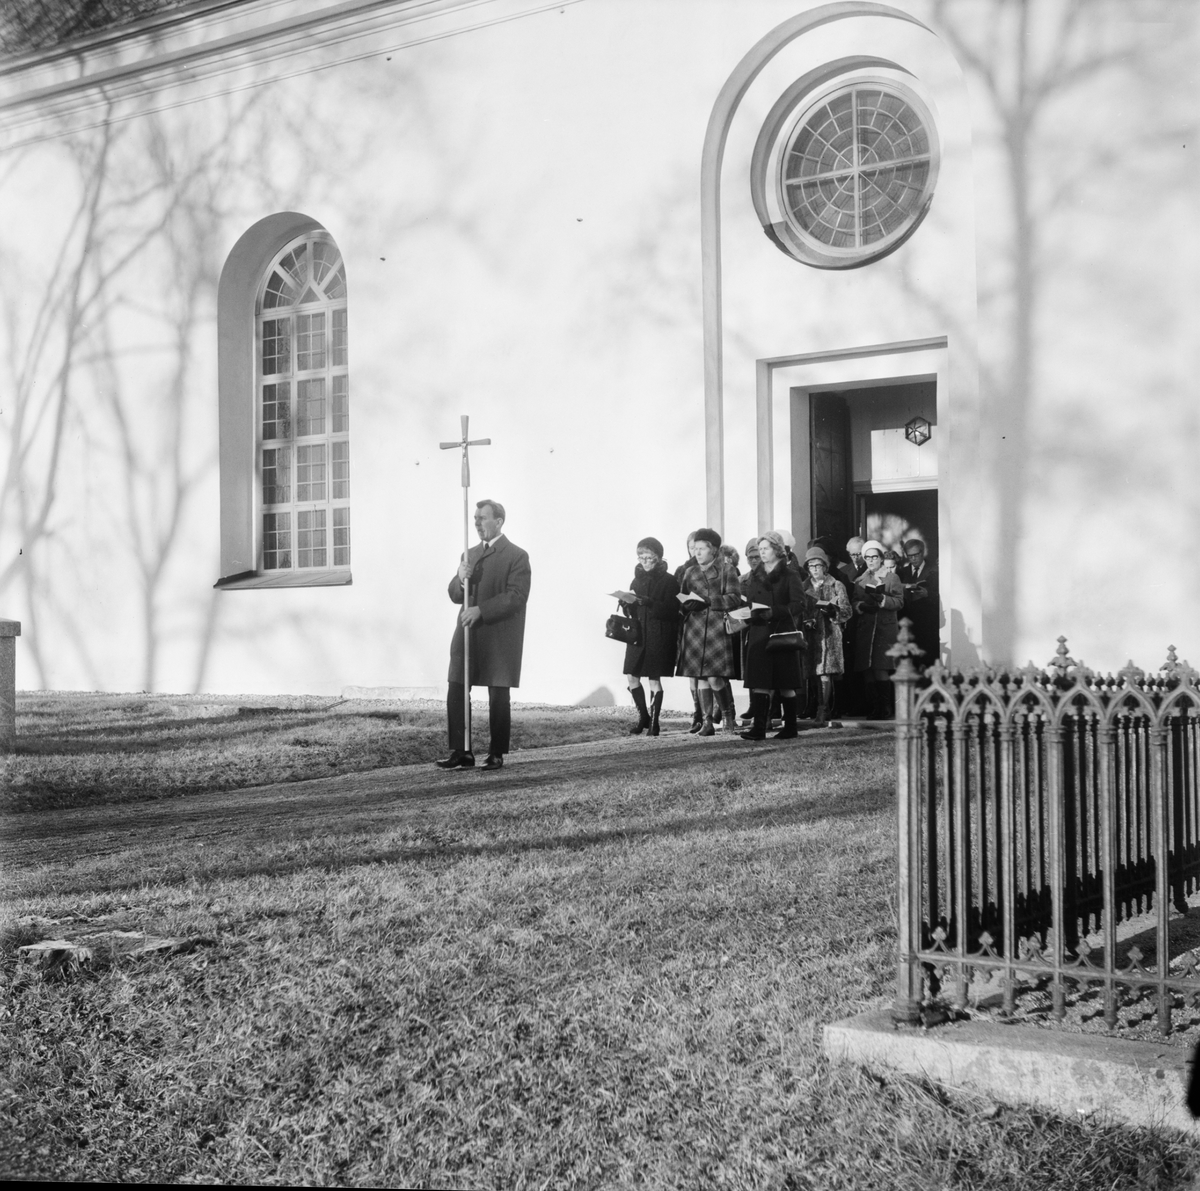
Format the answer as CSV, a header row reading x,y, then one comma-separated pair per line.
x,y
651,602
778,606
825,644
708,590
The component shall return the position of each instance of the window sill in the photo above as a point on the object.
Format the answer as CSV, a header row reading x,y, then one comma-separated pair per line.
x,y
291,578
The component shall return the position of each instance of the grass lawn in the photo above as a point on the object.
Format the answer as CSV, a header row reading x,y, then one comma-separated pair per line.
x,y
77,749
600,968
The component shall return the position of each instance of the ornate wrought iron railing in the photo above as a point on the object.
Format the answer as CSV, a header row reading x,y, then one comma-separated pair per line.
x,y
1039,809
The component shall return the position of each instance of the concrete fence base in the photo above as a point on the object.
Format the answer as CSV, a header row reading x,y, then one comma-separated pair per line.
x,y
10,630
1073,1075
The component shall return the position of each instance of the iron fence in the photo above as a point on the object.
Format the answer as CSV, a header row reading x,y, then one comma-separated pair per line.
x,y
1039,810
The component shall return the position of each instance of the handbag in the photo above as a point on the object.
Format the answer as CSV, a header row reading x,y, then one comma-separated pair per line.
x,y
791,641
623,628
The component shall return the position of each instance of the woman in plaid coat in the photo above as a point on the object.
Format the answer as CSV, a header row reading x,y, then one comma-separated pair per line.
x,y
705,648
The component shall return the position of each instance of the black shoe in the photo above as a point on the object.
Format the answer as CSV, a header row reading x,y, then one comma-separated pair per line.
x,y
494,761
457,760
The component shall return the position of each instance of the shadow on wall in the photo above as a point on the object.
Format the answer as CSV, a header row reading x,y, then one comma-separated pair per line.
x,y
963,650
600,697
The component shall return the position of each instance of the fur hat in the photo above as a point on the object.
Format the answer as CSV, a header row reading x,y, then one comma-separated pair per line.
x,y
710,536
776,539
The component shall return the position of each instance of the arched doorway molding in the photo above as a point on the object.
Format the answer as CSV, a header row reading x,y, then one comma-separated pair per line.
x,y
715,137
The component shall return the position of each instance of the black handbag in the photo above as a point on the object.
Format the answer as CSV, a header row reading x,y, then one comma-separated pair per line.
x,y
623,629
791,641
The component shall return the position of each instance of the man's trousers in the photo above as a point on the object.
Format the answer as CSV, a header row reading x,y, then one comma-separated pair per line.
x,y
499,718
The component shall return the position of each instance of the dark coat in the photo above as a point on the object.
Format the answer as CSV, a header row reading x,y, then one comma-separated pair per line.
x,y
499,588
925,611
782,590
876,632
706,650
658,619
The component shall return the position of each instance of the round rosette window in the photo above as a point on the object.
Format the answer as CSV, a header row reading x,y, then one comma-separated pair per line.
x,y
850,177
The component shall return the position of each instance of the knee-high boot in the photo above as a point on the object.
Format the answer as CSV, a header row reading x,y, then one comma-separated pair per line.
x,y
728,708
824,699
706,706
789,719
639,701
655,707
760,707
698,711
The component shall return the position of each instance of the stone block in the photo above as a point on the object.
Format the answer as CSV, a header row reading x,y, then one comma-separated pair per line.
x,y
1074,1075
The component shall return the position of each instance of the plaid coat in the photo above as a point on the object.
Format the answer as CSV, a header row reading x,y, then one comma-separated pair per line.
x,y
705,648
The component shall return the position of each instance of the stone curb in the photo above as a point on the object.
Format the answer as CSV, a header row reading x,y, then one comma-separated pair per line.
x,y
1076,1076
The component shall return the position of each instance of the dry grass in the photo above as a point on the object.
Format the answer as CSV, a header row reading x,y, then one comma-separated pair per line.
x,y
584,983
79,749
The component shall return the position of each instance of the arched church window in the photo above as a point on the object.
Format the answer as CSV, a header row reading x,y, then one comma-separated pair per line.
x,y
303,410
845,176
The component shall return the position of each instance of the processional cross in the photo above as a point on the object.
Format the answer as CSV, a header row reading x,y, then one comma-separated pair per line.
x,y
464,443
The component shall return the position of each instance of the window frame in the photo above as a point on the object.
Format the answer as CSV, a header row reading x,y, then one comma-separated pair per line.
x,y
292,441
768,191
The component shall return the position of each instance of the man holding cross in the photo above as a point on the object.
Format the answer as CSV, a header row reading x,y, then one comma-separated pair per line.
x,y
495,578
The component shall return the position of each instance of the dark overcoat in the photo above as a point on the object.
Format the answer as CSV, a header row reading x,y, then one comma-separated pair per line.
x,y
923,608
876,632
782,591
658,619
705,648
499,588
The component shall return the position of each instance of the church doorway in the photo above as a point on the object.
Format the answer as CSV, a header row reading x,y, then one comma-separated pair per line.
x,y
872,466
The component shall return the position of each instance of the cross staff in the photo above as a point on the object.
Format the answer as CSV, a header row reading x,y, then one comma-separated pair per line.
x,y
464,443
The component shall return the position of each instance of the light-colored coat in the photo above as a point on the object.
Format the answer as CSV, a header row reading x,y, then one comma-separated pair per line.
x,y
825,654
877,631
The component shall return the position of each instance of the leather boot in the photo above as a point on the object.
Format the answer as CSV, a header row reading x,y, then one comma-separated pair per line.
x,y
655,707
698,713
706,706
789,720
728,709
760,706
887,699
876,700
824,699
639,701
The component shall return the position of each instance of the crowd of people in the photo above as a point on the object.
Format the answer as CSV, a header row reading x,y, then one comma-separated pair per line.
x,y
808,638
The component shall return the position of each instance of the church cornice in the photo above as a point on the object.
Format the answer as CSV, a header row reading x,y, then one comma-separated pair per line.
x,y
219,45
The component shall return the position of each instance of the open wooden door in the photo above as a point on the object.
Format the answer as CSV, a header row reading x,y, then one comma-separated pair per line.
x,y
829,438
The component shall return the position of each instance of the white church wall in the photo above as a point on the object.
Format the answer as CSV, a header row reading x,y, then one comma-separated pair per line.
x,y
519,212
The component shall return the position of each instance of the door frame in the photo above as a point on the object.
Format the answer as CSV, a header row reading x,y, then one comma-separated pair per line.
x,y
784,471
783,383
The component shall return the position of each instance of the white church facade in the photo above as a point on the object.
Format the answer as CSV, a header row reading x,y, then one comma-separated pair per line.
x,y
924,267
